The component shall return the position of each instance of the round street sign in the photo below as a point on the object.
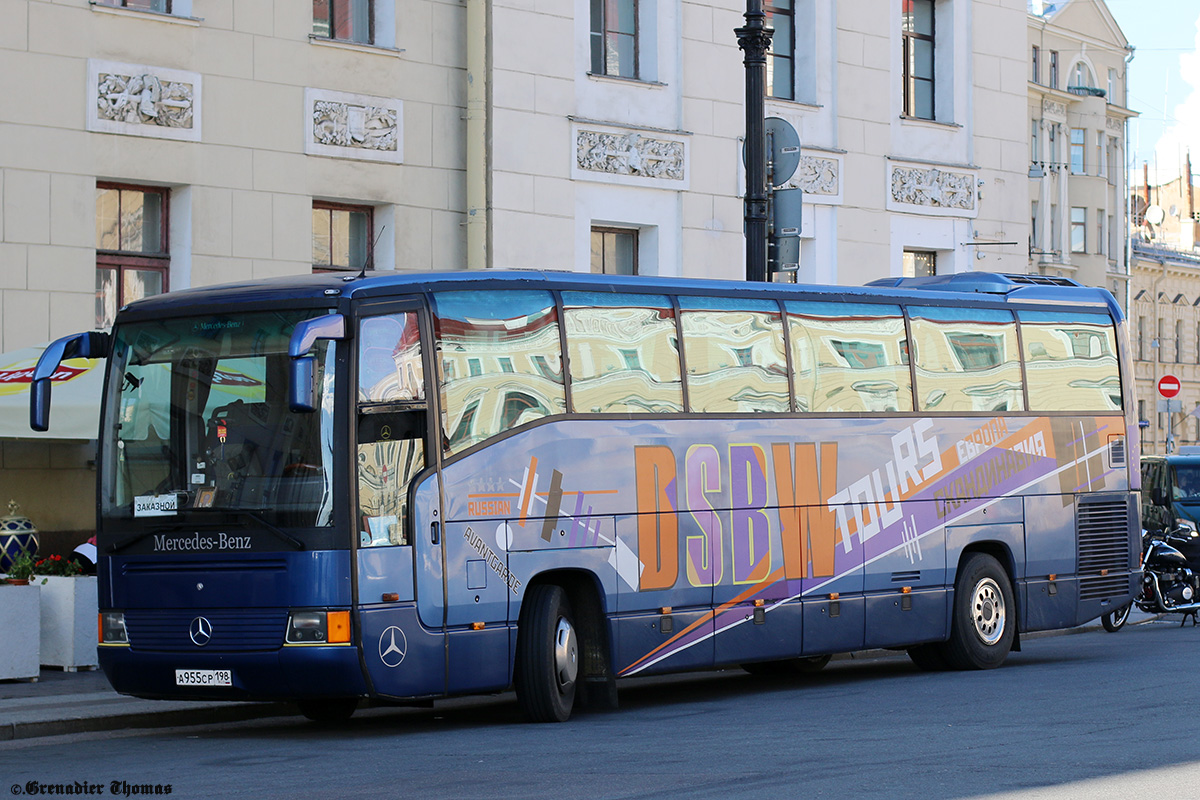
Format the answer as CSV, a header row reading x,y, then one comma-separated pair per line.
x,y
1168,386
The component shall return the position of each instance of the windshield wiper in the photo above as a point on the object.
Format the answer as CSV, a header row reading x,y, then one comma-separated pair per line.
x,y
278,533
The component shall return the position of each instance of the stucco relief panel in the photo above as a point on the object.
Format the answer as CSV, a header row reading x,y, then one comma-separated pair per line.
x,y
932,190
141,100
638,158
343,125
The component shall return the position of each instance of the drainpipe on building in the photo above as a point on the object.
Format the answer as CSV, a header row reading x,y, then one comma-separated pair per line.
x,y
478,135
1157,348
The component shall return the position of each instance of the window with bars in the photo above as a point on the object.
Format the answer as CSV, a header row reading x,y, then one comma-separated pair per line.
x,y
341,237
345,20
614,38
918,53
781,15
132,257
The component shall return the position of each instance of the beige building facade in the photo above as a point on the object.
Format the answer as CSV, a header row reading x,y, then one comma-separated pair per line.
x,y
1078,112
153,145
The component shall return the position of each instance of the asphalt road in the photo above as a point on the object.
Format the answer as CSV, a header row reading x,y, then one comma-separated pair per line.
x,y
1090,715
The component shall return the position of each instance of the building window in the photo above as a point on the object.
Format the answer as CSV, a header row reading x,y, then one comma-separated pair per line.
x,y
1112,239
161,6
614,251
1077,147
1033,226
1178,340
920,263
1055,229
1037,64
615,38
1081,77
918,42
1053,69
1035,150
1100,237
341,237
780,69
344,20
131,246
1112,82
1141,340
1078,230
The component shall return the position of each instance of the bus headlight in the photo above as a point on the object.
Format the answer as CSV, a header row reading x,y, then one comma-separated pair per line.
x,y
318,627
112,628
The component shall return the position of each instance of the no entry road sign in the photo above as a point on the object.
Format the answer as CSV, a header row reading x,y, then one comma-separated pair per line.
x,y
1168,386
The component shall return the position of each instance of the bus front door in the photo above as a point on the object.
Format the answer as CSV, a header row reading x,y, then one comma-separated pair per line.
x,y
399,579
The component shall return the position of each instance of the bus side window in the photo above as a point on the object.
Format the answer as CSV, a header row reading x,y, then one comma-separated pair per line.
x,y
967,359
1071,362
849,357
624,353
501,362
734,353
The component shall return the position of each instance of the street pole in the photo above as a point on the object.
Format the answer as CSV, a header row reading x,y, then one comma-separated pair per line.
x,y
755,39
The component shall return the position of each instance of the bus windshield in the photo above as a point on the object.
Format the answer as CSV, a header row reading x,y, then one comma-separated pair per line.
x,y
198,422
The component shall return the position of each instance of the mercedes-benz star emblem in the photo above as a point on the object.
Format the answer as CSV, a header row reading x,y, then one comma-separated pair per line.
x,y
200,631
393,645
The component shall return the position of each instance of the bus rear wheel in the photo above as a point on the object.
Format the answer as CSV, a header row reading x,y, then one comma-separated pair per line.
x,y
983,625
335,709
547,655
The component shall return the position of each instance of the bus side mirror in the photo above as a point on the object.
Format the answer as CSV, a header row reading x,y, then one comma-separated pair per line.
x,y
302,394
93,344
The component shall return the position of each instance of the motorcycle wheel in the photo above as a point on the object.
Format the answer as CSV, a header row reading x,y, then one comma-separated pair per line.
x,y
1113,621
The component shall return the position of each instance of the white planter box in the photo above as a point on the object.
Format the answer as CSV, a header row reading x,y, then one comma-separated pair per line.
x,y
19,653
68,622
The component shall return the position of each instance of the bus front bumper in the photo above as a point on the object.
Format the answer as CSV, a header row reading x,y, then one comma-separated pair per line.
x,y
289,673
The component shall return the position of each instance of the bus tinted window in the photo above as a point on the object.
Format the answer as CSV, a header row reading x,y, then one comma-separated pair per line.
x,y
734,354
1070,361
501,362
389,359
623,353
966,359
849,357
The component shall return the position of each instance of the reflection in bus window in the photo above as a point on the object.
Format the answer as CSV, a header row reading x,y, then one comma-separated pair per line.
x,y
734,354
849,357
385,469
966,359
389,359
1070,361
505,346
623,353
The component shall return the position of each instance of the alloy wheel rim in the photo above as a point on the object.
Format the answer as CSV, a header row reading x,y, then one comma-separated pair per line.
x,y
988,611
566,654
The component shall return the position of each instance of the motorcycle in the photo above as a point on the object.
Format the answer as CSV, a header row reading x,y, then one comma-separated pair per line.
x,y
1169,583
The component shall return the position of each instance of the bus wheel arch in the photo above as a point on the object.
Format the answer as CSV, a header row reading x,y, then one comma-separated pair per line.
x,y
562,618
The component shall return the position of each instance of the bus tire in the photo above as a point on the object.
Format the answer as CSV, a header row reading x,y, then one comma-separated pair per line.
x,y
547,655
1114,620
328,709
788,667
984,619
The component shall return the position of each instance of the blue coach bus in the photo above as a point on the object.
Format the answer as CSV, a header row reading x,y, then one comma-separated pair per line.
x,y
401,487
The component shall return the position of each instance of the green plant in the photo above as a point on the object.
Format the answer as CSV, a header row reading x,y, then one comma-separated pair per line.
x,y
57,565
21,569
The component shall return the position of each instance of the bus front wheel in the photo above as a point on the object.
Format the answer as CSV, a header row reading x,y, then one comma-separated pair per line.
x,y
547,655
984,623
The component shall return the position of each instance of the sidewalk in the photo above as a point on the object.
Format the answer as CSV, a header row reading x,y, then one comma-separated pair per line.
x,y
78,702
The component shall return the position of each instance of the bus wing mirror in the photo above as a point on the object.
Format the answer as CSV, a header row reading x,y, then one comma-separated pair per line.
x,y
301,392
93,344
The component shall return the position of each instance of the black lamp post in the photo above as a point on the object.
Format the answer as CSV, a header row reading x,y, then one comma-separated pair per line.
x,y
755,39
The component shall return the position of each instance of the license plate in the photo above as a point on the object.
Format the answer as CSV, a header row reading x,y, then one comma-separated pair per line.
x,y
203,677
